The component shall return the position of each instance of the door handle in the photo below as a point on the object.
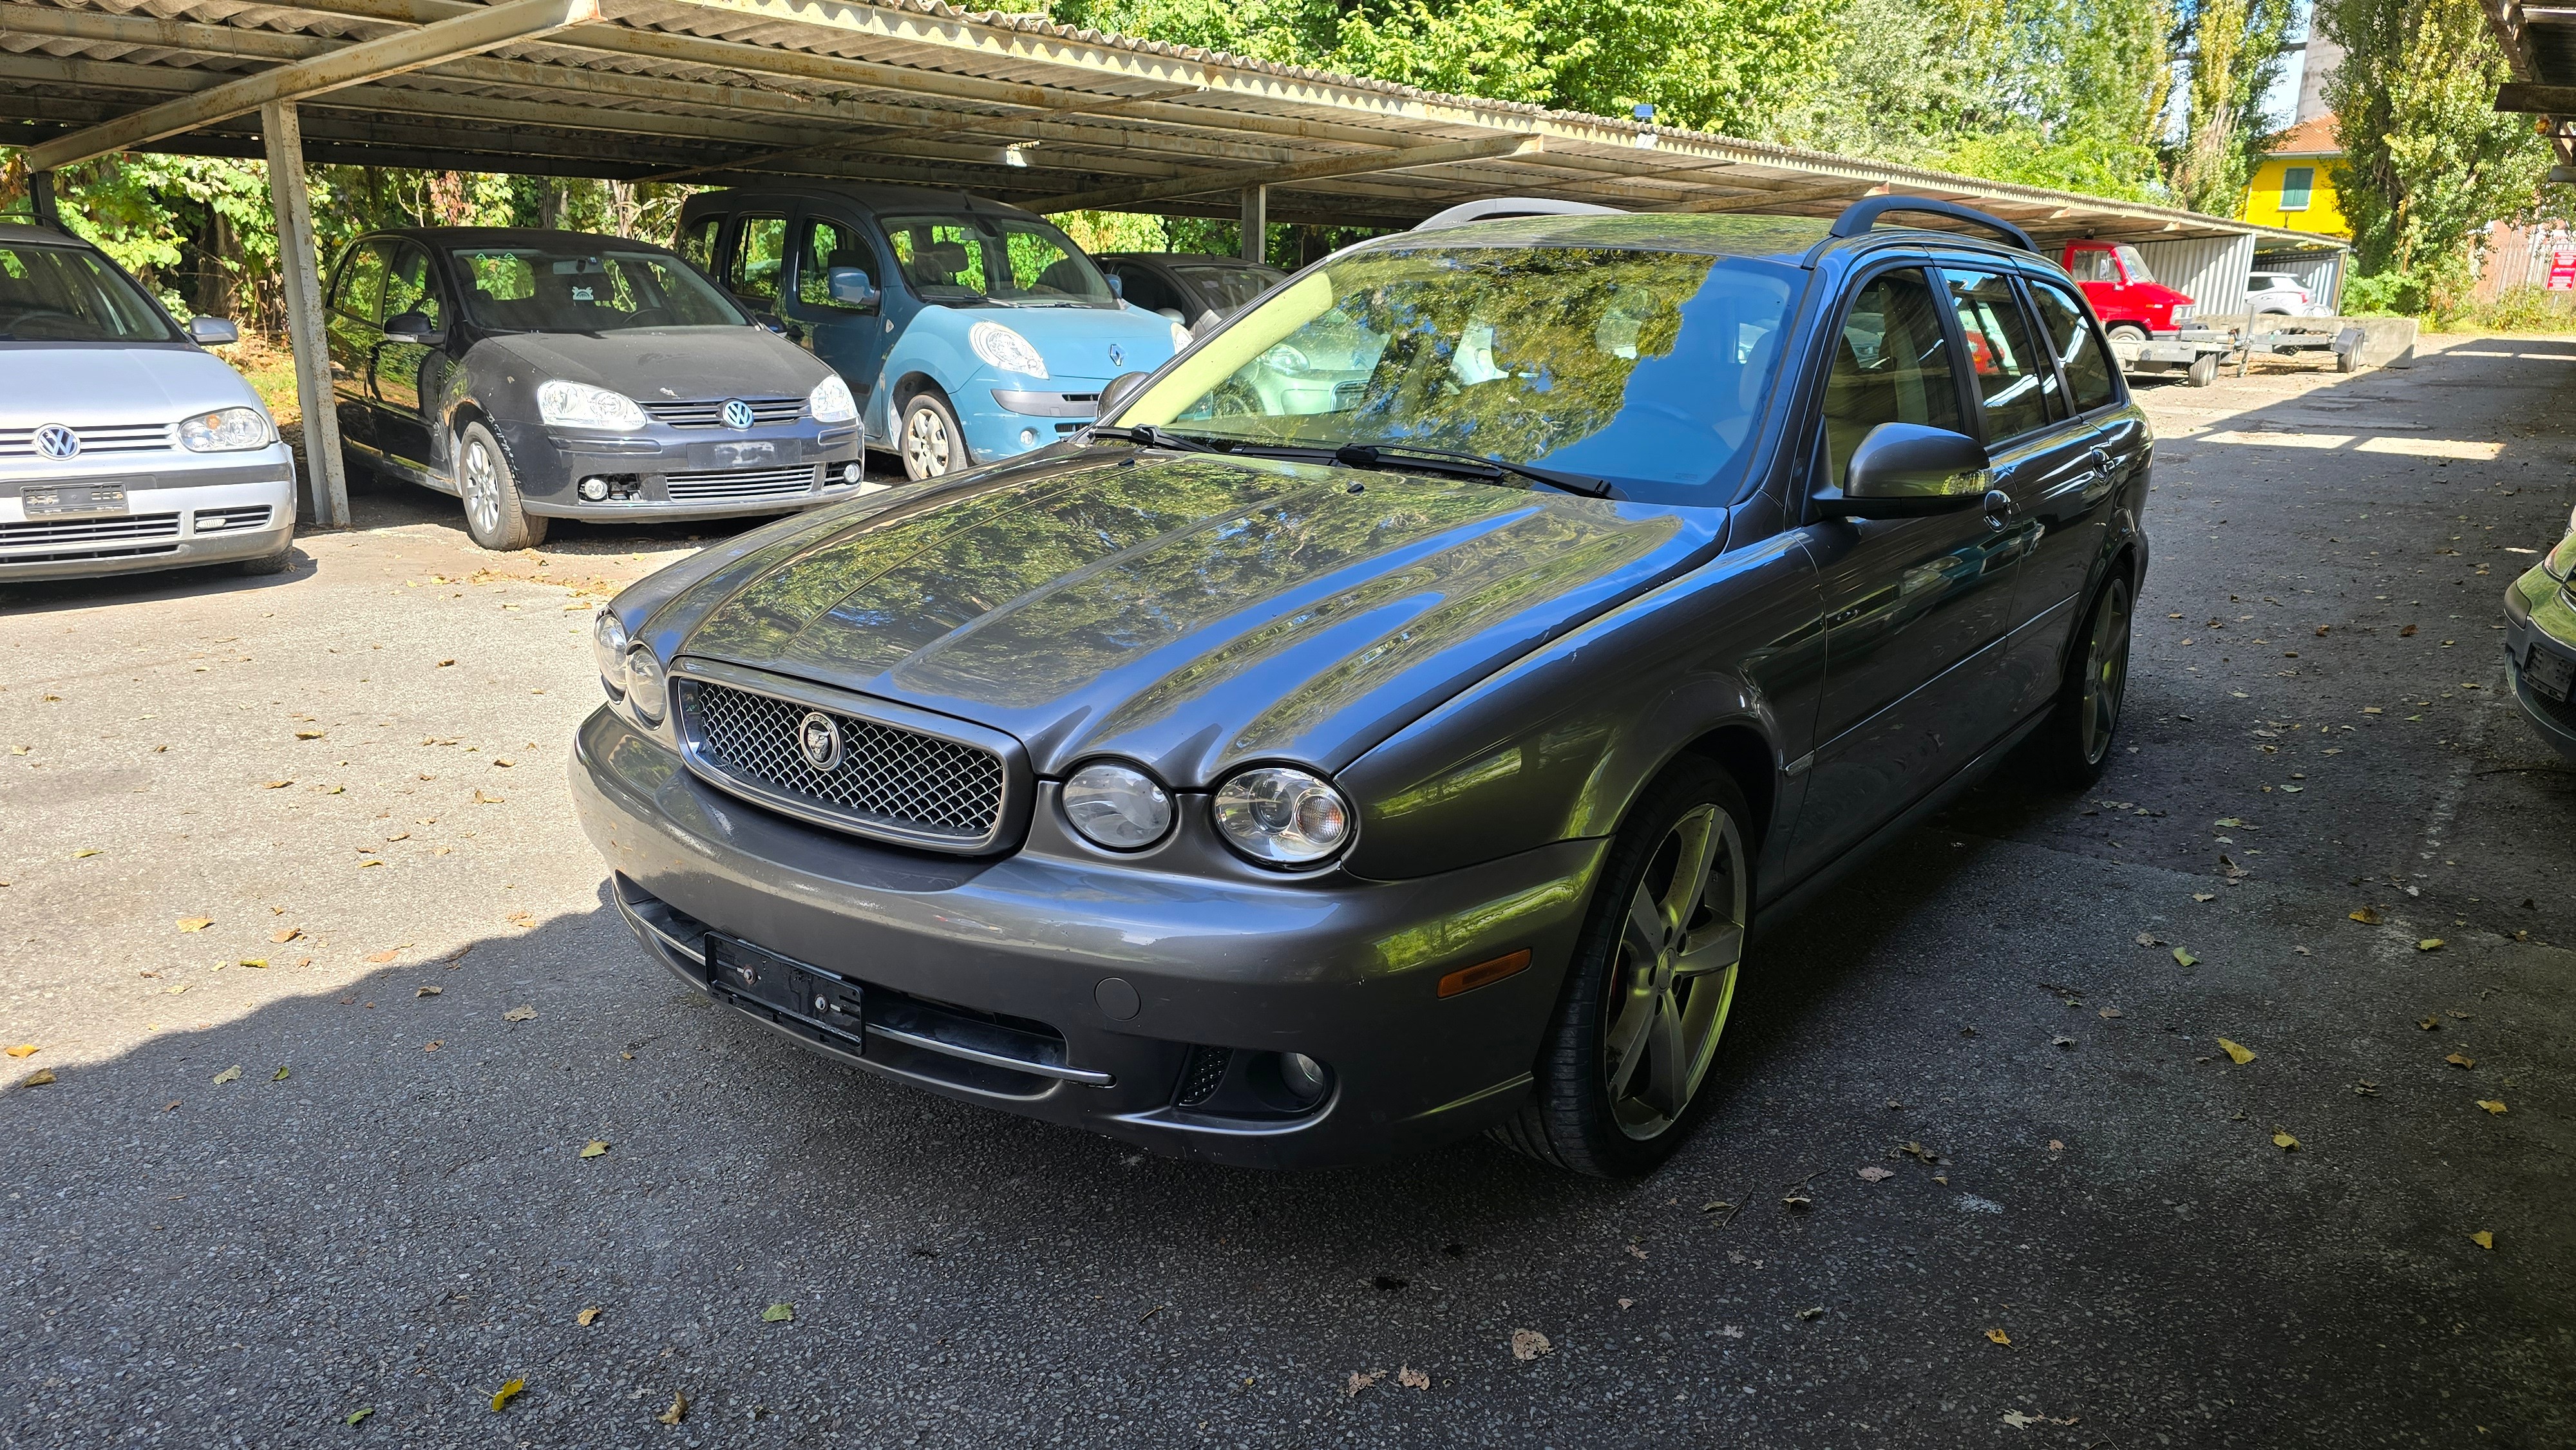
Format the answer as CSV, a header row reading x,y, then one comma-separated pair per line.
x,y
1998,508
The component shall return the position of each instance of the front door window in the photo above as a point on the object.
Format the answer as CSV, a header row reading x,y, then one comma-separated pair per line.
x,y
759,255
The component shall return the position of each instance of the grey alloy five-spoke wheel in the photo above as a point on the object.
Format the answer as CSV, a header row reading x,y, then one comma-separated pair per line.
x,y
932,443
1646,998
491,496
2087,720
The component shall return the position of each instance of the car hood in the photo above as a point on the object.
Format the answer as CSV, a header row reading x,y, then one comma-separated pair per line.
x,y
1075,341
656,364
93,385
1185,612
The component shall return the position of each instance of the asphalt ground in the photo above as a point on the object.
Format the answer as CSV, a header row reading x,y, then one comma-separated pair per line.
x,y
1978,1170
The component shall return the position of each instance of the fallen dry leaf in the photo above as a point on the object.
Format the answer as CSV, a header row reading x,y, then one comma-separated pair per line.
x,y
2284,1141
84,851
2204,896
2429,944
2365,916
2109,1012
428,991
316,735
2429,1023
2236,1052
778,1314
1875,1174
483,799
39,1078
1359,1382
587,1317
195,923
259,962
286,934
1529,1344
280,1076
23,1049
2184,957
679,1409
230,1074
1412,1379
1998,1336
595,1149
2492,1105
520,1014
2406,633
2483,1239
430,1046
507,1392
2457,1060
2150,939
275,784
387,955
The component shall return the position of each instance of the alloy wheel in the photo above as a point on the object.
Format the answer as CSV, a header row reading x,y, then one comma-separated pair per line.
x,y
1679,954
925,442
2106,673
482,487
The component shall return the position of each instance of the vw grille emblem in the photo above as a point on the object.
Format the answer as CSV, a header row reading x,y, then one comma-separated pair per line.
x,y
56,441
818,739
1117,356
737,414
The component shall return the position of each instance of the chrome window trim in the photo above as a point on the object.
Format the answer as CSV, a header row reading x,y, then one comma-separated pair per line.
x,y
1010,818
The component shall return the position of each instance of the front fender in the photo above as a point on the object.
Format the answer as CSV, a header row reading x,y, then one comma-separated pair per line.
x,y
1558,745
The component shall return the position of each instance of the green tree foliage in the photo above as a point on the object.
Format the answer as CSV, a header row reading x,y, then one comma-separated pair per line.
x,y
2427,162
2235,50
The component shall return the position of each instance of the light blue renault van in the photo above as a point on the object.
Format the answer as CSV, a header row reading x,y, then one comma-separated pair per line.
x,y
971,331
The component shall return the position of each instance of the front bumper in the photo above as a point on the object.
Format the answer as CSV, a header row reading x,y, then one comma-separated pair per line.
x,y
1051,945
666,473
994,430
2540,618
231,507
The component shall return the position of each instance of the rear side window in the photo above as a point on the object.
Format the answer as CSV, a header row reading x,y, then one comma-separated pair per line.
x,y
827,244
361,288
1891,365
2079,352
697,242
758,255
2016,388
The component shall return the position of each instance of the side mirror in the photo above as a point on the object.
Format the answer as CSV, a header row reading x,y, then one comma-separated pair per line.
x,y
411,327
850,287
771,321
1121,391
1117,286
1907,471
213,331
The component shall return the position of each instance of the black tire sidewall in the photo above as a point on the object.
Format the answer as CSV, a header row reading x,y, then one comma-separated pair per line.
x,y
518,529
1570,1102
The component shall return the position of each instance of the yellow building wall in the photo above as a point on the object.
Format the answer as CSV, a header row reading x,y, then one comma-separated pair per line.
x,y
2263,199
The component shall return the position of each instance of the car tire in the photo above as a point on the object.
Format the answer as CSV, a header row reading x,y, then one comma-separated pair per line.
x,y
494,516
1656,964
2092,696
2203,371
2125,332
932,444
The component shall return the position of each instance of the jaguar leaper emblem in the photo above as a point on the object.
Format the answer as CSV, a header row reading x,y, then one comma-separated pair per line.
x,y
818,739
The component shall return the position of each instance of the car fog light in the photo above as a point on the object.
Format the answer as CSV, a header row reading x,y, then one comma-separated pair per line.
x,y
1304,1076
608,646
1281,816
647,688
595,489
849,473
1028,438
1117,806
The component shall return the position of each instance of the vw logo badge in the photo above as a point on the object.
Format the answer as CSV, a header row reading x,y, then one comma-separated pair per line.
x,y
1117,356
56,441
818,739
737,414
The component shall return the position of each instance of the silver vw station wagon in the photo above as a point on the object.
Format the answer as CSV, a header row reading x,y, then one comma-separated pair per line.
x,y
124,444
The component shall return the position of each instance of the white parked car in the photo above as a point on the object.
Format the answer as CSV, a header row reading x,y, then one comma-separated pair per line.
x,y
2281,293
124,444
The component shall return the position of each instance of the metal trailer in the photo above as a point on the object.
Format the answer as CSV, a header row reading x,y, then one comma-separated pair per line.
x,y
2198,353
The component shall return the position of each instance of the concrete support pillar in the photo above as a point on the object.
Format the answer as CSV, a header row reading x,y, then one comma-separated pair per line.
x,y
40,190
1256,221
325,476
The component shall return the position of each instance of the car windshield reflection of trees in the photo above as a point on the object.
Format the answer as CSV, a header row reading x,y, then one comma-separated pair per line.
x,y
521,289
1644,369
973,261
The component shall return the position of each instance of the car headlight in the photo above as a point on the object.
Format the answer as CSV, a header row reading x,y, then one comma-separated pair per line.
x,y
1005,349
1180,337
648,689
830,402
608,646
1117,806
226,430
579,405
1281,816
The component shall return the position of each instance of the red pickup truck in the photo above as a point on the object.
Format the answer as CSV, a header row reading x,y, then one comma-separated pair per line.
x,y
2128,298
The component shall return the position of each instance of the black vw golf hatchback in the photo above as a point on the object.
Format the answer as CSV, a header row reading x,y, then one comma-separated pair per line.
x,y
1397,715
540,375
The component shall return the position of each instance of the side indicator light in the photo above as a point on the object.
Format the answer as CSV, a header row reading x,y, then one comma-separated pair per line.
x,y
1468,979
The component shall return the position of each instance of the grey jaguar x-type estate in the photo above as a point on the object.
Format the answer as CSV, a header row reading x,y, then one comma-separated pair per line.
x,y
1392,718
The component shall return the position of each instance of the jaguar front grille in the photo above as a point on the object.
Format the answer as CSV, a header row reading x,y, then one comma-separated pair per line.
x,y
883,779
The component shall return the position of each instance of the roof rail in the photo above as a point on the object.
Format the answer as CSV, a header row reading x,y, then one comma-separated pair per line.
x,y
1861,215
1503,206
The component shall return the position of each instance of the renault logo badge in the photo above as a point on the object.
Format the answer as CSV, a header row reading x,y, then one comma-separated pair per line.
x,y
737,414
1117,356
56,441
818,739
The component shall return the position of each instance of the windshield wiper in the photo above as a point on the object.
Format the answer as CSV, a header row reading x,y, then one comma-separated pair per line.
x,y
1372,455
1147,435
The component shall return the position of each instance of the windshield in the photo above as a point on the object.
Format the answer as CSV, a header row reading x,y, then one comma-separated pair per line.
x,y
2136,263
1227,288
562,289
995,261
1646,370
66,294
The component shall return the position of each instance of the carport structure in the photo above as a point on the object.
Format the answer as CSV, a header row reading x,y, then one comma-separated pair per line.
x,y
719,92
